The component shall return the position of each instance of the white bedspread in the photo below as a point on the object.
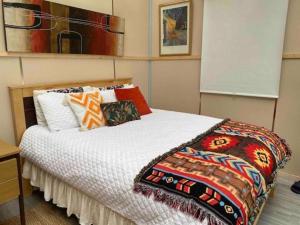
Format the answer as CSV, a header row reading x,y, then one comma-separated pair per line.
x,y
103,162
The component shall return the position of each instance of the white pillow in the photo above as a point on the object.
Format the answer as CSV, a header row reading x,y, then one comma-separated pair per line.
x,y
128,86
58,116
41,120
109,94
38,110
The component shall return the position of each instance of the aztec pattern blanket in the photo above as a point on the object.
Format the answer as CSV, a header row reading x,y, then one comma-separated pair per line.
x,y
223,175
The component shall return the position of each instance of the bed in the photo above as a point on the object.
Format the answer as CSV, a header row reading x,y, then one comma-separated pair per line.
x,y
91,173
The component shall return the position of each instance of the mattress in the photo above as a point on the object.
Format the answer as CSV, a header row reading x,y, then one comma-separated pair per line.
x,y
102,163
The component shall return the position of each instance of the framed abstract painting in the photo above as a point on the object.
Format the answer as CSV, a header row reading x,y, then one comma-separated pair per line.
x,y
38,26
175,28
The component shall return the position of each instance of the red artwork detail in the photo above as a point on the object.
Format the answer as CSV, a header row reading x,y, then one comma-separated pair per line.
x,y
100,36
40,39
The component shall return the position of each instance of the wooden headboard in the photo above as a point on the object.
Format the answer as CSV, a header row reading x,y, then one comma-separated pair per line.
x,y
22,105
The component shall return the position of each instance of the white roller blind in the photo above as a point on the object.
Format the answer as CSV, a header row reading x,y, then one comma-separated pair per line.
x,y
242,46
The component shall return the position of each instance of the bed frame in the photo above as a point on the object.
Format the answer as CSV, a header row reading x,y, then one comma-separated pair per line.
x,y
23,111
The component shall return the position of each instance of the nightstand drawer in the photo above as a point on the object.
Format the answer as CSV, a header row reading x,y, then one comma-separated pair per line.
x,y
8,170
9,190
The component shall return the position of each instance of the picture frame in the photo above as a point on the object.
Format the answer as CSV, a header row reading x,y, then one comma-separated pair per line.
x,y
175,28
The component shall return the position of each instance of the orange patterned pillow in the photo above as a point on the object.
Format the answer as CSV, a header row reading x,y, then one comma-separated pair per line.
x,y
86,106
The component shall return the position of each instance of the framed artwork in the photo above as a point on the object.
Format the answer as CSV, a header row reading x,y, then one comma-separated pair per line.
x,y
38,26
175,28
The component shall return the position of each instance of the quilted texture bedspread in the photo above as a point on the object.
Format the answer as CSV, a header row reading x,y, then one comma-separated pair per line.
x,y
103,163
222,175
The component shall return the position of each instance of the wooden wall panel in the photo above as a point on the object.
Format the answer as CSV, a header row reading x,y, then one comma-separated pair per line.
x,y
175,86
136,69
136,22
9,75
257,111
38,70
288,111
292,36
197,27
136,44
104,6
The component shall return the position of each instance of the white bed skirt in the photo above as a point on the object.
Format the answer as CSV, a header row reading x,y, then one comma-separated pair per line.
x,y
87,210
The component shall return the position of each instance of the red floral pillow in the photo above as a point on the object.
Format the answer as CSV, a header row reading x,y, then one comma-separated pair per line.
x,y
136,96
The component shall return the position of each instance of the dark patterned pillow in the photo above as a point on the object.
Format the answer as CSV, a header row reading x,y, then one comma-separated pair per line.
x,y
113,87
68,90
120,112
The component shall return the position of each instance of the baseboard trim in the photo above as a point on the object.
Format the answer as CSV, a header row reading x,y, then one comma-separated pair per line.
x,y
286,178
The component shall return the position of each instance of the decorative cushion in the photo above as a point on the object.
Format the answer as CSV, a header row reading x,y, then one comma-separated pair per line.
x,y
108,93
117,113
135,95
113,87
38,110
57,115
86,106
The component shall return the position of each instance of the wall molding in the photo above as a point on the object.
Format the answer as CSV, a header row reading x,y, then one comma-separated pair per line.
x,y
70,56
174,58
286,56
286,178
290,55
102,57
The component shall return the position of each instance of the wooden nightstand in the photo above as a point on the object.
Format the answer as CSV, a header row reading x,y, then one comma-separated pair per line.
x,y
11,176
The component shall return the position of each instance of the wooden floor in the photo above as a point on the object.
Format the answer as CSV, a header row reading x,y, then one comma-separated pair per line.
x,y
283,209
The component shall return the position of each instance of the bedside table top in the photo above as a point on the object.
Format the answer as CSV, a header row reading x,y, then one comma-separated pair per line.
x,y
7,150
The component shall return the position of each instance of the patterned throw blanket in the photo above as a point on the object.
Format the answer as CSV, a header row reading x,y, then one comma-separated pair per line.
x,y
223,175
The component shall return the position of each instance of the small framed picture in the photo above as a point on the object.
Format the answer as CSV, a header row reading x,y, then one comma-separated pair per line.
x,y
175,28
